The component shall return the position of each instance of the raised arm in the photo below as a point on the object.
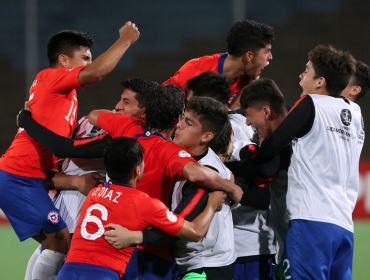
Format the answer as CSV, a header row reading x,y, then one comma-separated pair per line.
x,y
106,62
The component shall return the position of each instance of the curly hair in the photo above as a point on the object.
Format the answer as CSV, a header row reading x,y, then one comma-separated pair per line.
x,y
164,106
210,84
361,78
248,35
334,65
142,88
67,42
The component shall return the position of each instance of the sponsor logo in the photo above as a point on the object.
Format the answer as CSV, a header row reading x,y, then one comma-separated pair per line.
x,y
184,154
346,117
53,217
147,133
171,217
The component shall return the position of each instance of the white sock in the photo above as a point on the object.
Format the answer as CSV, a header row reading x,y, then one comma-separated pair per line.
x,y
31,263
48,265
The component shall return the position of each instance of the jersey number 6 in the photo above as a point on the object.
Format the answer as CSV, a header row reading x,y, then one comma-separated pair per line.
x,y
93,219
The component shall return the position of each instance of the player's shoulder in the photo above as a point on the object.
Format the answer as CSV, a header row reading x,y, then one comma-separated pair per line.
x,y
205,60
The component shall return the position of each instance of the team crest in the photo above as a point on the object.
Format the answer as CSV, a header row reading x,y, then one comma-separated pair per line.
x,y
171,217
184,154
53,217
346,117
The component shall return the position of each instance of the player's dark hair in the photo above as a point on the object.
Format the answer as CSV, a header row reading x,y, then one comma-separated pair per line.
x,y
121,156
142,88
263,92
210,84
334,65
67,42
164,106
212,115
361,78
220,145
248,35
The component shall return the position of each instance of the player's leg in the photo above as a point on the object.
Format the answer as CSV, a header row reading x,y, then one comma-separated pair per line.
x,y
31,263
26,203
342,261
307,253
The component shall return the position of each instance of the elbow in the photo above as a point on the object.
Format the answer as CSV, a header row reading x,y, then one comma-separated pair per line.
x,y
196,236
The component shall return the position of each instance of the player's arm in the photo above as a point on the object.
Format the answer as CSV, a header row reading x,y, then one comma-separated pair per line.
x,y
93,116
61,146
121,237
106,62
298,123
207,178
83,183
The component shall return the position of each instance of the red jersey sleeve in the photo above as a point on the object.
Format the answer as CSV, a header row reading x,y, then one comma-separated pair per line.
x,y
62,80
154,213
117,125
177,159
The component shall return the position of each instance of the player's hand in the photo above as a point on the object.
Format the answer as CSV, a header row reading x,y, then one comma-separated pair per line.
x,y
87,182
129,32
120,237
235,196
27,108
217,198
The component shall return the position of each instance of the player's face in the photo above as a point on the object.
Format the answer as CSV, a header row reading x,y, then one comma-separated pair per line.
x,y
81,57
257,118
307,81
189,131
258,62
129,106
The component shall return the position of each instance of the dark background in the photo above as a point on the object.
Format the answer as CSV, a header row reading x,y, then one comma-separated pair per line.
x,y
173,32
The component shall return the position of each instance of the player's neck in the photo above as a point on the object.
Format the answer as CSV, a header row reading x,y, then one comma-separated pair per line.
x,y
233,68
165,133
197,150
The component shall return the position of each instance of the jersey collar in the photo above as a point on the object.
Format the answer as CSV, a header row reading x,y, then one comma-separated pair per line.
x,y
107,185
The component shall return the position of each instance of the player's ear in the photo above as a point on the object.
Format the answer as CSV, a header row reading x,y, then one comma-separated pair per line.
x,y
247,57
207,136
355,90
320,83
266,112
62,59
143,113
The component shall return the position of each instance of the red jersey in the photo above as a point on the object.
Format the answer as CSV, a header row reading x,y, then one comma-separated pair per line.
x,y
207,63
118,204
163,160
53,102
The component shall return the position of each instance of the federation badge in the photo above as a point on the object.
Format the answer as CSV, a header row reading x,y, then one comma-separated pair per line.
x,y
53,217
171,217
346,117
184,154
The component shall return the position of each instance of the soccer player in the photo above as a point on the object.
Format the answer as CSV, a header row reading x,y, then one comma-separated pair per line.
x,y
359,84
25,164
327,137
166,161
118,201
69,201
248,53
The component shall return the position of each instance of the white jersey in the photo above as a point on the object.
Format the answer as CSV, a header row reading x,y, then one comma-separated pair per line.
x,y
216,248
323,177
69,202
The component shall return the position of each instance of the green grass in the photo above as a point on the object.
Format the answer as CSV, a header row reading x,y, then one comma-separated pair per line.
x,y
14,255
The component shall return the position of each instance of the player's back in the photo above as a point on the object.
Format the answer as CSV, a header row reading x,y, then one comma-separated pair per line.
x,y
324,165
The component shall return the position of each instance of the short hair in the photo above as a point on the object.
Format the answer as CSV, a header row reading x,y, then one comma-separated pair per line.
x,y
210,84
220,145
248,35
263,92
142,88
212,114
164,106
334,65
361,78
121,156
67,42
